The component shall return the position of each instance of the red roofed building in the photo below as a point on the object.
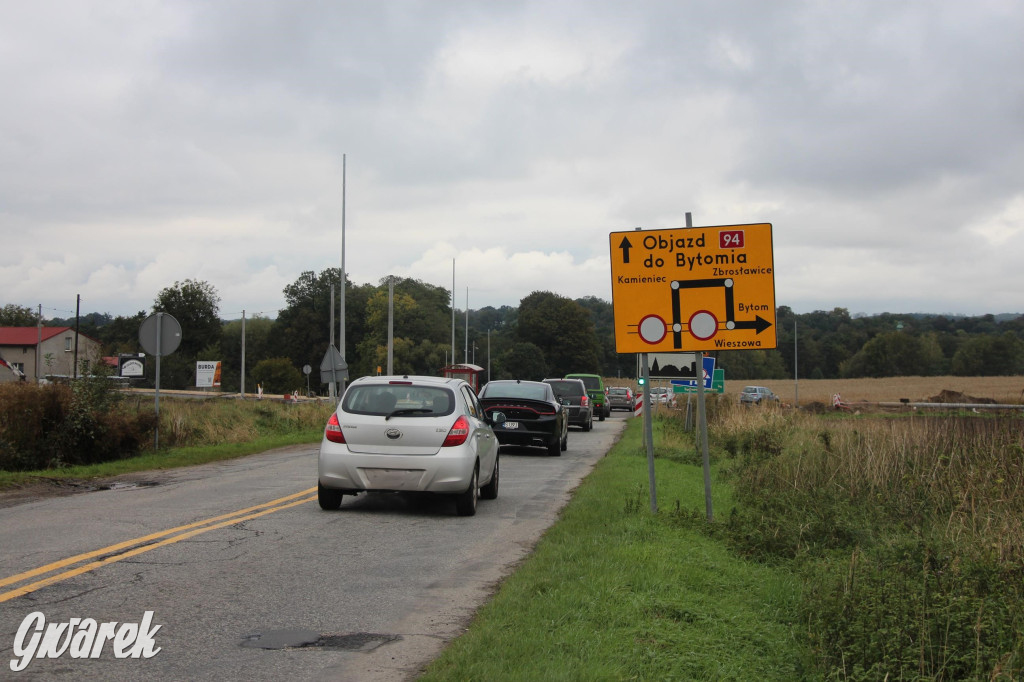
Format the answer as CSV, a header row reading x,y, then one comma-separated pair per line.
x,y
56,352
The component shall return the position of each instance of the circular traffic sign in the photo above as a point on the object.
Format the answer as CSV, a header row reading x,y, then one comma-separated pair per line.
x,y
169,334
652,329
703,325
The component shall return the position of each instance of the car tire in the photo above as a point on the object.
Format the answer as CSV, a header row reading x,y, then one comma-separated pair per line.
x,y
465,503
490,491
555,446
328,498
600,414
565,440
589,424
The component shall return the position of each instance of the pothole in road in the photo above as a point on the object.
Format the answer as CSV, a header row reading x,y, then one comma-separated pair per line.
x,y
128,485
298,639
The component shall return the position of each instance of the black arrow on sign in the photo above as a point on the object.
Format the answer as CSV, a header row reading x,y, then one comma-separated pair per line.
x,y
625,246
759,324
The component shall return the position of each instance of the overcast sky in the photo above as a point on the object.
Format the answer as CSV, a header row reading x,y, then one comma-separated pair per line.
x,y
144,142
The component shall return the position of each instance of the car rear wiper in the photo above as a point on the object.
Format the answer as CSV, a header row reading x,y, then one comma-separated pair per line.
x,y
409,410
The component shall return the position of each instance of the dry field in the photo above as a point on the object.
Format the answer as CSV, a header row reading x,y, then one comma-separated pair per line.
x,y
1007,390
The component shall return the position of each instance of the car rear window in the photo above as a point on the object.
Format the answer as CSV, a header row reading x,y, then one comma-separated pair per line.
x,y
514,390
411,400
617,391
566,388
592,383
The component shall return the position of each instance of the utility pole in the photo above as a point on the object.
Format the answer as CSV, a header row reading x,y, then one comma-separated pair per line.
x,y
242,381
341,320
391,324
453,311
39,340
78,310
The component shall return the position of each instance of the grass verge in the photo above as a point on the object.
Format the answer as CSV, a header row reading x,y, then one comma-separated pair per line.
x,y
191,432
171,458
615,592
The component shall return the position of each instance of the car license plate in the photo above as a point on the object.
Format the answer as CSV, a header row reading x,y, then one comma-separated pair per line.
x,y
511,425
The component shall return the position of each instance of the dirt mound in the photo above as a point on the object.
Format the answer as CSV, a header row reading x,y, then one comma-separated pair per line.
x,y
947,396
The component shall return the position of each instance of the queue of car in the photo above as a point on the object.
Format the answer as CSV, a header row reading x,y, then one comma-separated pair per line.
x,y
426,434
438,435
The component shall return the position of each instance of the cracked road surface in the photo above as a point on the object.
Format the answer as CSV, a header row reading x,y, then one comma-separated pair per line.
x,y
243,589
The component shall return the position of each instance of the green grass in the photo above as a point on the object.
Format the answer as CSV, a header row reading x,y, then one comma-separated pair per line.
x,y
614,592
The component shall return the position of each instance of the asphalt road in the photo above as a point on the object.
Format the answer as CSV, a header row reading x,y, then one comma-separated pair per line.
x,y
248,579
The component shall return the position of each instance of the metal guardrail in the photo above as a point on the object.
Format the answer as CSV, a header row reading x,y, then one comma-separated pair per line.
x,y
954,406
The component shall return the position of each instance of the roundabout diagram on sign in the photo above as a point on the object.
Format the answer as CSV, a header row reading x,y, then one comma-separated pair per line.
x,y
693,289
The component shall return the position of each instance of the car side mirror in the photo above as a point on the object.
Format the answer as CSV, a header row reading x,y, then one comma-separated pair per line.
x,y
498,418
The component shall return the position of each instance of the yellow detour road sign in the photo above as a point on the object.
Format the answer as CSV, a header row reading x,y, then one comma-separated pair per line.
x,y
693,289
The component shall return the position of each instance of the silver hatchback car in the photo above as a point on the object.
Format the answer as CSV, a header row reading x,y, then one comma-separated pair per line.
x,y
409,434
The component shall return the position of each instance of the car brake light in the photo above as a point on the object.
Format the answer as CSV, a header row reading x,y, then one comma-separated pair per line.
x,y
333,430
458,434
584,401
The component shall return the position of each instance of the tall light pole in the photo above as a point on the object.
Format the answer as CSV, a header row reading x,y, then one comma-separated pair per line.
x,y
341,321
453,311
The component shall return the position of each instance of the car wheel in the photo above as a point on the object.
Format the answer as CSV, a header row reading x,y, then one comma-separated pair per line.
x,y
465,503
589,424
490,491
565,440
555,446
600,413
328,498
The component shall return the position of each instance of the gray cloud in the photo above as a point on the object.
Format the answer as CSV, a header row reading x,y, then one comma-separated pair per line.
x,y
147,142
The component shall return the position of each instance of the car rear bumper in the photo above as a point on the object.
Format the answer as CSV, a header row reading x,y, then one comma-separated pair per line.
x,y
525,434
449,471
579,416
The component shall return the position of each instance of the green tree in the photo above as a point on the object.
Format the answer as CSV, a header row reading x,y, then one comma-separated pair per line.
x,y
752,364
195,305
258,346
602,314
895,354
303,329
13,315
121,334
562,329
422,330
990,355
522,361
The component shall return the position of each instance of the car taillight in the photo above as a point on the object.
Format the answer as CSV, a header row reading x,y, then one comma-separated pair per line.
x,y
333,430
584,401
458,434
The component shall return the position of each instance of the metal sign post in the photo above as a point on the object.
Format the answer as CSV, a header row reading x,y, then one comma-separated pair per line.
x,y
156,432
702,421
649,432
159,335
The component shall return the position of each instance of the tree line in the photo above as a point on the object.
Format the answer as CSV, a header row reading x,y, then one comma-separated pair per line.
x,y
545,335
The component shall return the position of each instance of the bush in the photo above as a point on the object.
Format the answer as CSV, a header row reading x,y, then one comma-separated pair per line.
x,y
908,532
44,427
917,609
277,375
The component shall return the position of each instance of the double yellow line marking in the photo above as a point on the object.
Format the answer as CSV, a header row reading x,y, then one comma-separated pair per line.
x,y
130,548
